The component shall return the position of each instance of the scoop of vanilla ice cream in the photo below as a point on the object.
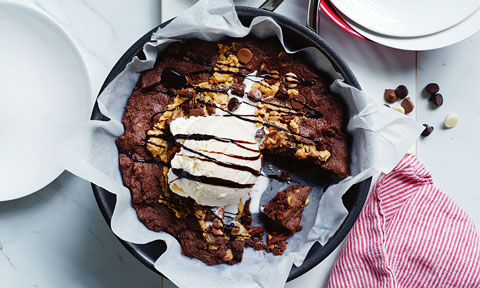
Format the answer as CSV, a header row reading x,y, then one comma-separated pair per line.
x,y
219,160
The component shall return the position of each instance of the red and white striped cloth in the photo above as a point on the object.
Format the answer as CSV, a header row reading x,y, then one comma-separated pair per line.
x,y
409,234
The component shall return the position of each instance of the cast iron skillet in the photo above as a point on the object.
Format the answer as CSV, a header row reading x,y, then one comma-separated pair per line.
x,y
297,36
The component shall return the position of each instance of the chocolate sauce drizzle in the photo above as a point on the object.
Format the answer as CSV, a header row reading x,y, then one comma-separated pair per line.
x,y
225,164
180,173
221,163
205,137
236,156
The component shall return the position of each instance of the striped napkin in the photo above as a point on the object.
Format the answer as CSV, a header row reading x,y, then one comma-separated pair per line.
x,y
409,234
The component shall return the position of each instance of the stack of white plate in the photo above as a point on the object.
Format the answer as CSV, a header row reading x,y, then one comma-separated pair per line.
x,y
45,93
411,24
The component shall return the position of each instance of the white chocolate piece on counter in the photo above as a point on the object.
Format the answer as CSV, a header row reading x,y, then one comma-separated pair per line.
x,y
399,109
412,150
451,120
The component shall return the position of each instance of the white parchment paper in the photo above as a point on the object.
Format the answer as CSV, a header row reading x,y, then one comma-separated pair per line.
x,y
381,137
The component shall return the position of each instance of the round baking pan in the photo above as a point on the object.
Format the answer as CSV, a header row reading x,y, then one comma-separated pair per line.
x,y
297,36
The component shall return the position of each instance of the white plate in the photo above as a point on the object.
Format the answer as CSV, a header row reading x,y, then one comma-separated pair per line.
x,y
407,18
44,92
455,34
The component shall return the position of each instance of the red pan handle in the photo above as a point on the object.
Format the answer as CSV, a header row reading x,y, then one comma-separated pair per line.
x,y
326,6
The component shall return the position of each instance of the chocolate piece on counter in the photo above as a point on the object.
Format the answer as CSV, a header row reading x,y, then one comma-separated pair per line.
x,y
244,55
432,88
233,104
287,206
282,93
254,95
436,99
260,133
407,105
390,95
427,131
401,91
298,101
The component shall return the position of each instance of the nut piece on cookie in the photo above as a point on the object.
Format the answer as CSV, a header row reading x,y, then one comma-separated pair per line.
x,y
287,206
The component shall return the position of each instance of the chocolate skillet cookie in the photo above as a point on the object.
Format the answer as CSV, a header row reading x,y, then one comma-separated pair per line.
x,y
299,121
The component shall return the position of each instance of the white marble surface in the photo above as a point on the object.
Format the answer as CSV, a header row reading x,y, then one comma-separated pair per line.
x,y
57,236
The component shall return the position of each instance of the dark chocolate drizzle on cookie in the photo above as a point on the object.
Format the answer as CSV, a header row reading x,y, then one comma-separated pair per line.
x,y
236,156
220,163
209,180
205,137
